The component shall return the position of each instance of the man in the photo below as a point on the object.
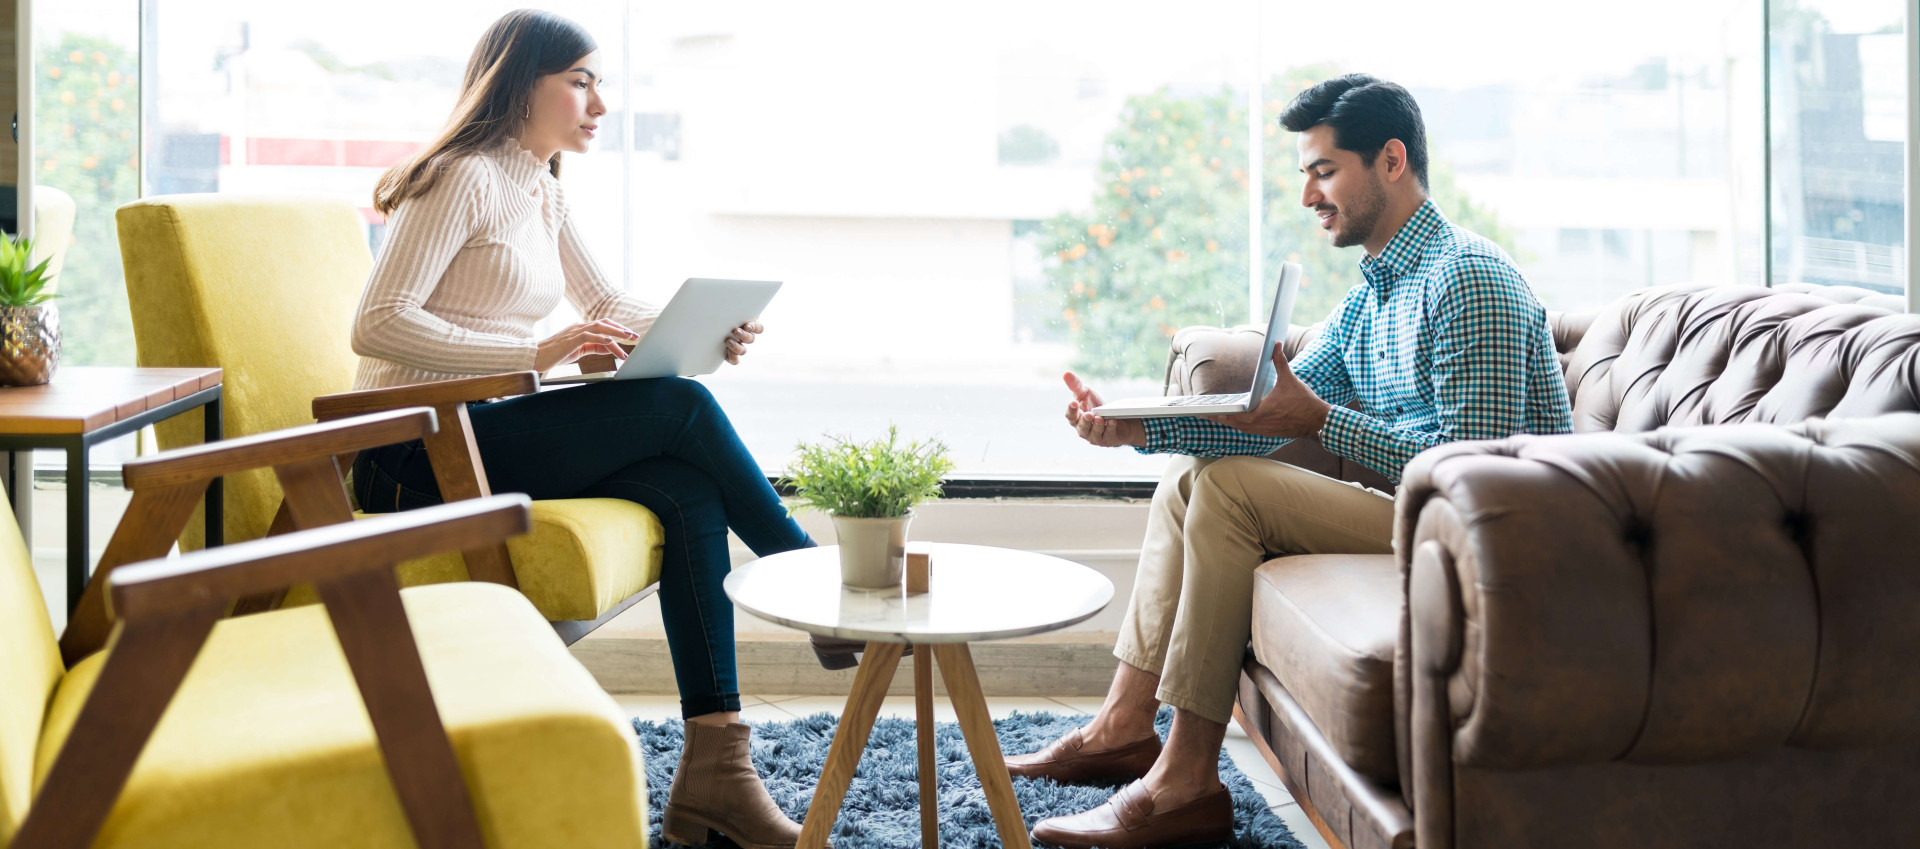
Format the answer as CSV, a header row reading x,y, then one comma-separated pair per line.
x,y
1441,341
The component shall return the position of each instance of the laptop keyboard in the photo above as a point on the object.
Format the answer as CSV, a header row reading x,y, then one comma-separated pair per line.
x,y
1208,400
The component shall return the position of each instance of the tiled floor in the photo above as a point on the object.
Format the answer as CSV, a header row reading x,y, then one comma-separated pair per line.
x,y
779,708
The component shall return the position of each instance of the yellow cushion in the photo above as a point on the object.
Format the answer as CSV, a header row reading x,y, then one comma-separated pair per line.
x,y
584,556
268,743
30,669
263,286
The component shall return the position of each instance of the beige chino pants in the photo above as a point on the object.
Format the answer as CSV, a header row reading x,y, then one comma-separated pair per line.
x,y
1212,523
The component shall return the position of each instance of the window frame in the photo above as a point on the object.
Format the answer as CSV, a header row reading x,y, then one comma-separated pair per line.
x,y
1032,486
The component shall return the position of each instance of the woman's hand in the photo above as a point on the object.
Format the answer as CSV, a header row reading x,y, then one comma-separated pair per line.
x,y
741,337
583,340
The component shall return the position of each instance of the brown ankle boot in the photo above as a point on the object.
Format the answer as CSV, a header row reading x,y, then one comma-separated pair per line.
x,y
717,789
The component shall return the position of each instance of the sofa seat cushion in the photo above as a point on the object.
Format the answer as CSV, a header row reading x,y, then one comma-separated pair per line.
x,y
268,743
583,557
1326,625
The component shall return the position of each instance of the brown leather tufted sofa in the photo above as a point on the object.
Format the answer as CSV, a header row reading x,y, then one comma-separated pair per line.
x,y
1694,622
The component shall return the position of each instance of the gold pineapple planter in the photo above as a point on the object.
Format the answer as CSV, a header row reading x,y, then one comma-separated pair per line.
x,y
29,326
29,344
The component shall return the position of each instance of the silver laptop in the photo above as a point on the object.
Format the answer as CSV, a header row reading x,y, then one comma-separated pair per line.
x,y
690,335
1239,402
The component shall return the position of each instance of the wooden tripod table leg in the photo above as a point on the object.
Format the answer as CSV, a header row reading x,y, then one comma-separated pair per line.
x,y
856,723
976,723
923,728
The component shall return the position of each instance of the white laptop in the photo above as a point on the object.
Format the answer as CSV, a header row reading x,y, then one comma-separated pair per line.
x,y
1239,402
690,335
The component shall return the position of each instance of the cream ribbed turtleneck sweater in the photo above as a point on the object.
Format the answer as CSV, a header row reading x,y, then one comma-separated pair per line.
x,y
467,269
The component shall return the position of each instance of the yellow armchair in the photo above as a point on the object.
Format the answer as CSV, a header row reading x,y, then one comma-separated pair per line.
x,y
265,287
439,716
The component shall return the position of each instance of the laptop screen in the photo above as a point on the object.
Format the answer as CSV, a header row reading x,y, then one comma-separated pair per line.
x,y
1264,376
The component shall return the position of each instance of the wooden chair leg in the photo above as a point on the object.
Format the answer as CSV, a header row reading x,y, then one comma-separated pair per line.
x,y
140,677
976,723
371,622
311,496
923,730
457,469
153,520
856,724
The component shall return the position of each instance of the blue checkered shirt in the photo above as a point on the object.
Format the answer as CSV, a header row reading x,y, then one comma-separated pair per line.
x,y
1442,341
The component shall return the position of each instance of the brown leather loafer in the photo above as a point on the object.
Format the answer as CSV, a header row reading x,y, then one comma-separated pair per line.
x,y
1128,821
1068,762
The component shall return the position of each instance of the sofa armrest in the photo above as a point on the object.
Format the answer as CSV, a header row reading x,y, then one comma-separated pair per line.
x,y
1678,596
1681,595
1214,360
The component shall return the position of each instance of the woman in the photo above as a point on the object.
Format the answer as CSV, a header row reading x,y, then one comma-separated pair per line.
x,y
479,248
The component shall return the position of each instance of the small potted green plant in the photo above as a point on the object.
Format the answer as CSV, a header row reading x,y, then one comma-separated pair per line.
x,y
29,325
869,489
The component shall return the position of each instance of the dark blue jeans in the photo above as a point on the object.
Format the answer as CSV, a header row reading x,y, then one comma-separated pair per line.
x,y
664,444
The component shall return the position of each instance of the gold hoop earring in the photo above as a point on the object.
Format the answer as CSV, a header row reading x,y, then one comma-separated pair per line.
x,y
528,114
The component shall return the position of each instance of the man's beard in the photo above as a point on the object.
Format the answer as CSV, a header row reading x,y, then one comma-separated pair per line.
x,y
1357,219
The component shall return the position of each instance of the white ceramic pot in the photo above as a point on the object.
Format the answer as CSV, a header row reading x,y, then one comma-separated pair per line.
x,y
873,552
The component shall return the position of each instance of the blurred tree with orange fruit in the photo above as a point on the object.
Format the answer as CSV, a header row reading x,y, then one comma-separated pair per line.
x,y
86,131
1165,243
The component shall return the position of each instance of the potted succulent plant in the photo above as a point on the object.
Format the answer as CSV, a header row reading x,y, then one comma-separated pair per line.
x,y
29,326
869,489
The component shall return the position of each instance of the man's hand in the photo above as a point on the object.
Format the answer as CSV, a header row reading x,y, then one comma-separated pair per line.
x,y
1290,411
1099,430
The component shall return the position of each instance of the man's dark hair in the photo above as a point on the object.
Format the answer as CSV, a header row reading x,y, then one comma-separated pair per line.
x,y
1365,112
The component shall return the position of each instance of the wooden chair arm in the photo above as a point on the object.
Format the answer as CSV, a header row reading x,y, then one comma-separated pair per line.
x,y
436,394
278,448
455,456
170,607
320,555
167,487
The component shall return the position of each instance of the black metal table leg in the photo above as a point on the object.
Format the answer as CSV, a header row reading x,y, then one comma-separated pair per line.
x,y
216,504
78,560
20,490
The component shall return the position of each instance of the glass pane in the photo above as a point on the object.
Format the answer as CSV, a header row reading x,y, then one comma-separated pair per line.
x,y
267,97
963,201
86,128
1839,121
1602,162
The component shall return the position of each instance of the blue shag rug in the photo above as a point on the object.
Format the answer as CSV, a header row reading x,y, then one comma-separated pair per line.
x,y
882,810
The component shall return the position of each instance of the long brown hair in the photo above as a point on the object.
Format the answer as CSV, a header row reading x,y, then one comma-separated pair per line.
x,y
515,52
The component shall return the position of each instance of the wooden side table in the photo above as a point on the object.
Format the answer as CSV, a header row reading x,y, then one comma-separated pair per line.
x,y
976,593
82,407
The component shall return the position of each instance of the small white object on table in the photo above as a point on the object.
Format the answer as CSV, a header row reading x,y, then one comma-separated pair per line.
x,y
974,593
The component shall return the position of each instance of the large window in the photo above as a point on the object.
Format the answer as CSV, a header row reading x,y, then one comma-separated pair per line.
x,y
1597,149
1839,117
86,127
966,201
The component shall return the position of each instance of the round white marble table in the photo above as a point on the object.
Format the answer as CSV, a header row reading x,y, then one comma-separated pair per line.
x,y
974,593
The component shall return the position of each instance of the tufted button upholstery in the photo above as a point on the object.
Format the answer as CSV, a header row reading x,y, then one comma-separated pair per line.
x,y
1679,596
1685,354
1718,355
